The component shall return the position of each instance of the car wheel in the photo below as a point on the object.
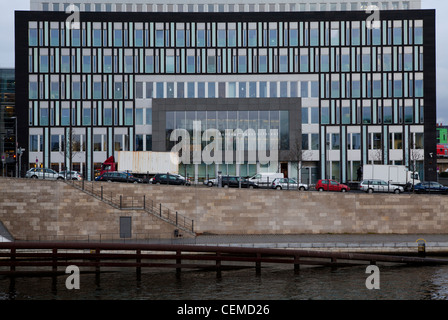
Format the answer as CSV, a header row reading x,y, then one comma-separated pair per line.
x,y
109,180
370,191
60,178
321,189
226,186
278,188
157,182
302,188
343,190
210,184
251,187
396,191
34,177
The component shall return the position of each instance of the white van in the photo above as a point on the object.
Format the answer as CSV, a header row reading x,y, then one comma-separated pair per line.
x,y
264,179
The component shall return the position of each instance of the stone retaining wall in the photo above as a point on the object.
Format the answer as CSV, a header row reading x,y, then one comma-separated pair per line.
x,y
30,208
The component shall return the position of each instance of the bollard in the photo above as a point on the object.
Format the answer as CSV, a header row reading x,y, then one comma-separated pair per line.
x,y
421,247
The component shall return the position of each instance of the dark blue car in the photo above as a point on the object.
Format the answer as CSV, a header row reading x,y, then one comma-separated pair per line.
x,y
430,187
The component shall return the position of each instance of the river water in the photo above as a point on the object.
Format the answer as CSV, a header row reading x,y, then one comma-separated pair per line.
x,y
273,283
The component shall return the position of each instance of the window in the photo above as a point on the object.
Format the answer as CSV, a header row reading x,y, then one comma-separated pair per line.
x,y
304,63
356,35
354,141
32,41
418,35
305,142
76,37
314,141
65,64
55,143
366,62
419,88
107,64
222,36
76,90
387,62
86,64
54,37
97,90
33,93
314,36
139,38
44,63
34,143
180,38
54,90
252,34
128,64
398,32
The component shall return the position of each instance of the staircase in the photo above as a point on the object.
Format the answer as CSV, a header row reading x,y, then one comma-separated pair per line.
x,y
138,203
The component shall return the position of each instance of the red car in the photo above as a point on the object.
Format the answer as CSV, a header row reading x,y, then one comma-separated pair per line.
x,y
331,185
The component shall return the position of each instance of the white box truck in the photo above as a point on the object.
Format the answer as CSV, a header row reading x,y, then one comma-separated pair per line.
x,y
148,162
143,163
398,175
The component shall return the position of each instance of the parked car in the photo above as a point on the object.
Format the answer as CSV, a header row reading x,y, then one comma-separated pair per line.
x,y
166,178
234,182
331,185
70,175
115,176
42,173
187,180
430,187
211,182
376,185
288,184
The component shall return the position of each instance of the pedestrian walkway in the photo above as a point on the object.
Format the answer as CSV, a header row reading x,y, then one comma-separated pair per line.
x,y
339,242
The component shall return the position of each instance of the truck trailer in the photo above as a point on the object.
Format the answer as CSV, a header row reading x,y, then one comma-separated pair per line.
x,y
398,175
143,163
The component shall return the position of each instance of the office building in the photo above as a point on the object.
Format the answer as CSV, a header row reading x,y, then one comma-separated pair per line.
x,y
340,91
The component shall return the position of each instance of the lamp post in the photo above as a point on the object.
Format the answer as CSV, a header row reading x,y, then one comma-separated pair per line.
x,y
15,144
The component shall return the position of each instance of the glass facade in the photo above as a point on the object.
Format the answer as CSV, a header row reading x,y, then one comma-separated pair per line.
x,y
354,81
7,123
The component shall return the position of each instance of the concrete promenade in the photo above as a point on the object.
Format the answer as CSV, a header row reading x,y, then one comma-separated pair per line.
x,y
434,243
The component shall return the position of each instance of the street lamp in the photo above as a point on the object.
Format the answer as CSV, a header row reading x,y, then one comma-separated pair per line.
x,y
15,144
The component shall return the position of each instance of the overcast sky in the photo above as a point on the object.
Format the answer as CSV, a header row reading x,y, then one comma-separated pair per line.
x,y
7,9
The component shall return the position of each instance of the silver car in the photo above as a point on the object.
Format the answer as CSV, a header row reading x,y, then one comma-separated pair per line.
x,y
374,185
70,175
43,173
211,182
288,184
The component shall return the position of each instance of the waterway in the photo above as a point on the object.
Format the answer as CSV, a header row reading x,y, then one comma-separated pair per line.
x,y
273,283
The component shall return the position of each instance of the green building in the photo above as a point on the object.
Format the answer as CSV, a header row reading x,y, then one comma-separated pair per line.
x,y
442,134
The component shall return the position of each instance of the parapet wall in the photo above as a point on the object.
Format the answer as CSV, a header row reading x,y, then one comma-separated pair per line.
x,y
30,209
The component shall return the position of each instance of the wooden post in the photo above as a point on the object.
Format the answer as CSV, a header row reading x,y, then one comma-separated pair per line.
x,y
178,262
258,264
218,264
139,268
296,264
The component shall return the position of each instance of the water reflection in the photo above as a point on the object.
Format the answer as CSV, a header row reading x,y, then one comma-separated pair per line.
x,y
396,283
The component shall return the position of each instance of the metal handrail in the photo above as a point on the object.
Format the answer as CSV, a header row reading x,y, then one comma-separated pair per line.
x,y
136,203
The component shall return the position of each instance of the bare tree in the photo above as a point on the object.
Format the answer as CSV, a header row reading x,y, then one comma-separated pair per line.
x,y
298,155
71,147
